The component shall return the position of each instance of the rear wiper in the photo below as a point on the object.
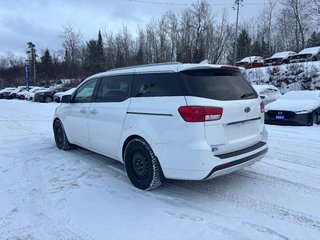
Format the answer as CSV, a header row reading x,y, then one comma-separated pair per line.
x,y
246,95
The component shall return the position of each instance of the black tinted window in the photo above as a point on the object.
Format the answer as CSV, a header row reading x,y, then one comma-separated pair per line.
x,y
218,84
114,89
85,92
156,84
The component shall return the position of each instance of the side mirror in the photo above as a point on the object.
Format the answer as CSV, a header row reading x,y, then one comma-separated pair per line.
x,y
66,99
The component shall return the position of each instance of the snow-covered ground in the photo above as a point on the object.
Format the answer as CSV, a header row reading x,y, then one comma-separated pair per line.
x,y
46,193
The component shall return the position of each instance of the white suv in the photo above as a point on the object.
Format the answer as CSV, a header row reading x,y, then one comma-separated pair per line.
x,y
174,121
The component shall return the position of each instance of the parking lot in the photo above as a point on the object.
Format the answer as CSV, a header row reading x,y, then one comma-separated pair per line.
x,y
47,193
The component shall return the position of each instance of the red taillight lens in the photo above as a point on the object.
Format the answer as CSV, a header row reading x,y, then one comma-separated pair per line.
x,y
262,107
200,114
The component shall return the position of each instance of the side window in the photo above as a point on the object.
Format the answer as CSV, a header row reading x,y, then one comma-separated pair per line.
x,y
114,88
85,92
156,84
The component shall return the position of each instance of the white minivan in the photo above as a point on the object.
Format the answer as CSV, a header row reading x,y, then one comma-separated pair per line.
x,y
166,121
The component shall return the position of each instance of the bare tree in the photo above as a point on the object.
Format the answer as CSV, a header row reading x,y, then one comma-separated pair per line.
x,y
300,12
220,40
71,41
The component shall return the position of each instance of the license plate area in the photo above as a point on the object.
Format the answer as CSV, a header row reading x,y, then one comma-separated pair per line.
x,y
279,117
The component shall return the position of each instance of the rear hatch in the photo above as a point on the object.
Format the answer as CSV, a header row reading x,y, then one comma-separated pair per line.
x,y
241,123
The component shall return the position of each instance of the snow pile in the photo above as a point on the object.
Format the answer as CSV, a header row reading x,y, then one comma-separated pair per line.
x,y
289,77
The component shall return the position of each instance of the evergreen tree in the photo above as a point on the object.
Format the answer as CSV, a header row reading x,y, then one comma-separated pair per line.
x,y
244,45
91,62
101,58
46,66
66,64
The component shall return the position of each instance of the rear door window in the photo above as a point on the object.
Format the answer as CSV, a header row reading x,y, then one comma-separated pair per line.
x,y
217,84
156,85
114,88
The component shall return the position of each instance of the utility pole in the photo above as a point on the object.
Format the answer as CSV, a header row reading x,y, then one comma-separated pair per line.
x,y
32,58
237,3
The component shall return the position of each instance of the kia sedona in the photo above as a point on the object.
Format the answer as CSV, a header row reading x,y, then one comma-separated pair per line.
x,y
166,121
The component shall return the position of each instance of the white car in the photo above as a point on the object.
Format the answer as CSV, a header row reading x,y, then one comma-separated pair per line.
x,y
30,95
174,121
279,58
307,54
268,93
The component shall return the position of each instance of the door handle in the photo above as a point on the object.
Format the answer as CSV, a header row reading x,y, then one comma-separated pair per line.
x,y
93,111
83,111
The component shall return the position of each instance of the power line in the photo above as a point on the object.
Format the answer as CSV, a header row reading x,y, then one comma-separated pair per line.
x,y
158,3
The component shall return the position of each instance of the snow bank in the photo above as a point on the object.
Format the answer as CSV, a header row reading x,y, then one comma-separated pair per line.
x,y
288,77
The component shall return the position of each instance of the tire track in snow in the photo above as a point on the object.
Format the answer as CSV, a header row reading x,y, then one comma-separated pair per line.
x,y
274,182
269,209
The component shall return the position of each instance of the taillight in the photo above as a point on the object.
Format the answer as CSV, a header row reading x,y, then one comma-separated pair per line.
x,y
262,107
200,114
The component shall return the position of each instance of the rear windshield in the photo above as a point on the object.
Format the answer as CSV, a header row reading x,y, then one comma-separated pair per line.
x,y
217,84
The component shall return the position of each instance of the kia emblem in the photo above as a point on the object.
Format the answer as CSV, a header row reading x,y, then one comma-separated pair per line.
x,y
247,109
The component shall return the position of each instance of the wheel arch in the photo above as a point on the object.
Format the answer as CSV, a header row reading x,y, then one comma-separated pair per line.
x,y
127,140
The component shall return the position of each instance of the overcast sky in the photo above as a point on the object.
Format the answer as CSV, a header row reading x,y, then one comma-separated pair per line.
x,y
41,21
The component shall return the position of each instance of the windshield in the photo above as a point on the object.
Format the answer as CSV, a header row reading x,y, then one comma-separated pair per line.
x,y
217,84
310,50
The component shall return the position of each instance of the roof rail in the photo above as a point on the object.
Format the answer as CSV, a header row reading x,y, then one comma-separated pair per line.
x,y
145,65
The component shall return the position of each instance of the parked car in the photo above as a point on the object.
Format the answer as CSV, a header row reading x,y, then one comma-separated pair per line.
x,y
21,95
58,95
251,62
294,108
268,93
174,121
279,58
307,54
47,95
13,93
30,95
6,91
44,95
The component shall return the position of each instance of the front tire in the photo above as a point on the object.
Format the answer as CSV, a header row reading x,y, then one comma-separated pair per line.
x,y
60,136
142,166
48,99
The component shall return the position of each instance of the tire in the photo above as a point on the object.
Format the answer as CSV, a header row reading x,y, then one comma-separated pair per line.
x,y
60,136
315,118
48,99
142,166
314,59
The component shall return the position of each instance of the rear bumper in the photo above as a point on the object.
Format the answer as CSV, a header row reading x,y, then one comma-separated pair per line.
x,y
201,164
239,163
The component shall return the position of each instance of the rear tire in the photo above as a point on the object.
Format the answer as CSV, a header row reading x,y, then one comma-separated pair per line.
x,y
142,166
60,136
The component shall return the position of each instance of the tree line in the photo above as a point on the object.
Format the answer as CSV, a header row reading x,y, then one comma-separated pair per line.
x,y
190,37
